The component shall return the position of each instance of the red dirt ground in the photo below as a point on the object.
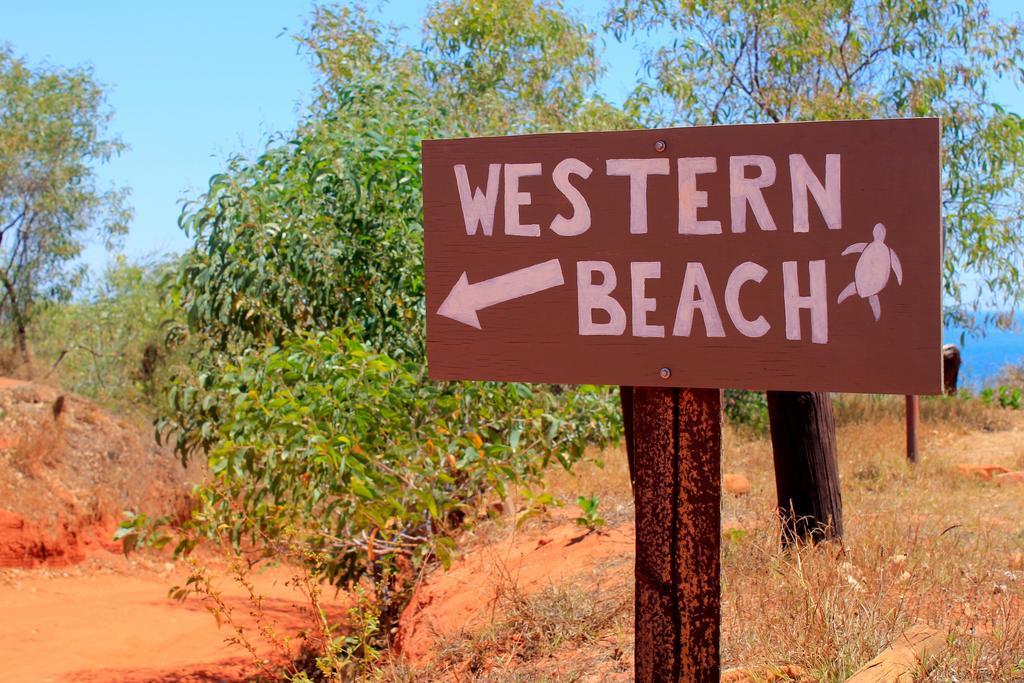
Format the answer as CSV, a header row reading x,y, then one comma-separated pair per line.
x,y
72,608
110,619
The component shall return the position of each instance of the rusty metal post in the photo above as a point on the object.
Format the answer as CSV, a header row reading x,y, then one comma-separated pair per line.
x,y
913,416
677,439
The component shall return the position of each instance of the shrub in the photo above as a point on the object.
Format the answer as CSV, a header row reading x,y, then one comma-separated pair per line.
x,y
746,409
336,441
359,458
111,343
1002,396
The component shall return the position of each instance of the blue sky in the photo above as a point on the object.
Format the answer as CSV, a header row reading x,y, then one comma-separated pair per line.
x,y
192,83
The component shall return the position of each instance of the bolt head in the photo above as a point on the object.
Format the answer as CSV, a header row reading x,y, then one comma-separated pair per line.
x,y
665,373
660,146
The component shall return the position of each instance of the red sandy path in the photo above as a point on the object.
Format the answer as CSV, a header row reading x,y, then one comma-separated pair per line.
x,y
90,626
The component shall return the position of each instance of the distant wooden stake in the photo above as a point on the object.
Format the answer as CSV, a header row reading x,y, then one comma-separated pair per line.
x,y
810,503
913,415
950,368
677,440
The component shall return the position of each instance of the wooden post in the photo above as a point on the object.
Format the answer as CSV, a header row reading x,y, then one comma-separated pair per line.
x,y
806,468
913,415
677,438
626,403
950,368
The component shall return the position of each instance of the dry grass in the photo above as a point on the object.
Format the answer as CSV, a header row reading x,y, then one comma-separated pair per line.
x,y
1011,375
38,445
923,544
958,413
561,633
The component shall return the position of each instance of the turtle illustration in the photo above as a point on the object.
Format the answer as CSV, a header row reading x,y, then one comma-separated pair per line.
x,y
876,261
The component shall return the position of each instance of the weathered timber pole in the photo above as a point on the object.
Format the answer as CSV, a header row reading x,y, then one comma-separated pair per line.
x,y
626,403
950,368
913,417
806,468
677,438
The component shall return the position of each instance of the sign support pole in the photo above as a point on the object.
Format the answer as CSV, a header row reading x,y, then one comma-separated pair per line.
x,y
626,403
913,415
677,441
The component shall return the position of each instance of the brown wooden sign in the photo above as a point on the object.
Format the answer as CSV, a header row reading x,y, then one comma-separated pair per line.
x,y
797,256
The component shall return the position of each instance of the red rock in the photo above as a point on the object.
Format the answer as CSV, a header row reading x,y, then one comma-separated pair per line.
x,y
24,544
985,472
1009,478
736,484
1017,561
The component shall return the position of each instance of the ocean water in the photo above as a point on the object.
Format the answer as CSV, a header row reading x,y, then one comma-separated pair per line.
x,y
983,357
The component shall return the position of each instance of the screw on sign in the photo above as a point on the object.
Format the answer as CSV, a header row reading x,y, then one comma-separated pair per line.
x,y
680,262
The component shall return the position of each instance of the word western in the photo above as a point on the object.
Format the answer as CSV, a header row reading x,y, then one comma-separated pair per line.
x,y
749,176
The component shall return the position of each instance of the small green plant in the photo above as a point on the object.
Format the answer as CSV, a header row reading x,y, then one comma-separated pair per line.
x,y
1002,396
588,513
734,535
346,657
536,505
747,409
270,649
360,646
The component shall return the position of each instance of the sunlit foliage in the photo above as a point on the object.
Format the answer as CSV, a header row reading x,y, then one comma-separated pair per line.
x,y
750,61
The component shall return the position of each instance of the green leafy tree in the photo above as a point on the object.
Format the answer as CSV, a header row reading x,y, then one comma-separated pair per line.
x,y
339,441
515,66
110,341
52,135
728,61
484,68
324,230
326,443
318,232
722,61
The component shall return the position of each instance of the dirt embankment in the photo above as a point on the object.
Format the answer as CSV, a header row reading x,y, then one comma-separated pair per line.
x,y
68,470
72,606
466,596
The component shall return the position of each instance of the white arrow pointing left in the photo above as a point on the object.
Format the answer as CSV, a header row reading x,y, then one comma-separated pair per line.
x,y
465,299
